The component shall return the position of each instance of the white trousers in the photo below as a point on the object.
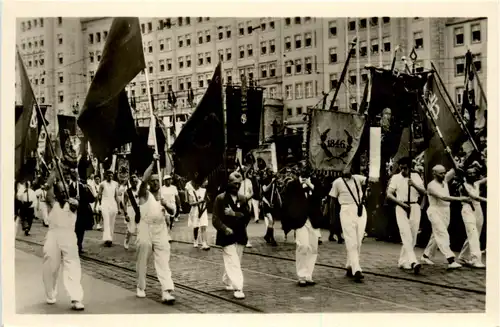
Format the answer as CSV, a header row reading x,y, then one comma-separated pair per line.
x,y
131,225
43,212
153,238
109,211
233,276
473,221
440,220
353,228
255,205
408,230
306,253
60,249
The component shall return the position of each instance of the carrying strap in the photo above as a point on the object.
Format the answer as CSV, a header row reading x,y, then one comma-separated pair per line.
x,y
358,203
131,198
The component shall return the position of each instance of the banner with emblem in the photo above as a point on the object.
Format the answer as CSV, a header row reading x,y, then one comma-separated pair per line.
x,y
70,143
334,139
265,157
122,168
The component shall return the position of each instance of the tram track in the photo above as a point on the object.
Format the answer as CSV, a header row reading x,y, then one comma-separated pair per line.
x,y
150,277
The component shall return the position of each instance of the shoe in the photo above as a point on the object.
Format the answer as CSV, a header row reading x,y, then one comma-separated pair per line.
x,y
27,233
51,300
167,298
405,267
341,240
320,242
478,265
249,245
302,283
416,268
331,238
358,276
229,288
454,265
126,244
77,306
141,293
81,252
176,219
195,244
349,272
310,282
205,247
426,260
239,295
256,221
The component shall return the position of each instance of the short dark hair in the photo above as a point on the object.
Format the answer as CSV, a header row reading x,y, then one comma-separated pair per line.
x,y
404,161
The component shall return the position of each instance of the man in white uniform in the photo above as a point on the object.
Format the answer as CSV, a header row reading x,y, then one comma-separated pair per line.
x,y
152,236
349,192
170,193
132,211
246,191
407,212
439,216
109,200
27,198
41,195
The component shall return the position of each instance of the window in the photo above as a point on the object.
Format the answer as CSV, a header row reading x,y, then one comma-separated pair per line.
x,y
59,21
364,77
242,51
288,43
362,23
242,74
386,20
363,49
208,57
273,92
250,74
199,19
229,76
221,54
297,20
289,111
41,43
181,62
272,69
42,81
188,82
309,89
168,44
250,50
419,67
162,65
143,89
188,61
180,41
200,80
91,38
272,46
333,55
168,23
249,28
352,77
374,46
332,28
298,90
241,29
476,33
262,24
29,63
459,92
200,37
221,33
150,67
459,36
162,87
143,29
60,57
263,48
459,66
98,56
288,92
288,21
23,26
60,77
228,54
263,71
308,39
271,25
98,37
288,67
60,39
181,84
354,104
179,21
162,45
419,40
299,112
60,95
207,35
477,62
387,44
29,25
298,41
188,20
333,81
352,25
188,40
228,32
150,47
169,64
374,21
41,61
200,59
41,22
105,34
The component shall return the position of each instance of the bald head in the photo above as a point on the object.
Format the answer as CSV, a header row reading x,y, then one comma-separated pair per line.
x,y
438,169
439,173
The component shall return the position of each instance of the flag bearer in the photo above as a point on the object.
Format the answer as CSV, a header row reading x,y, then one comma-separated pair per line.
x,y
473,220
152,236
60,248
132,211
27,198
246,191
407,212
348,189
109,200
439,216
41,195
198,216
231,216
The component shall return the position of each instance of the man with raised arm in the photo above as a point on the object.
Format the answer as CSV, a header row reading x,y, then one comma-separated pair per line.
x,y
108,199
152,235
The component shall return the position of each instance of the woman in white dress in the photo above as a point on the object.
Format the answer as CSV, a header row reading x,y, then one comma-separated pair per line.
x,y
198,216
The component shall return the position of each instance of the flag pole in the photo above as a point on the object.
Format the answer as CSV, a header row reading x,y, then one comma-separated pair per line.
x,y
479,84
343,73
224,123
152,119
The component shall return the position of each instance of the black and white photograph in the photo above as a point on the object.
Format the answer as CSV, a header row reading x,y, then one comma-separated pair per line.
x,y
281,161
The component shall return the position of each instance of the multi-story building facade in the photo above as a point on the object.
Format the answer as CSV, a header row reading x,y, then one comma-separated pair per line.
x,y
295,59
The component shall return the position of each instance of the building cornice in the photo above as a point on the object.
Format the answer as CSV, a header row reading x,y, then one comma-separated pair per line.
x,y
465,20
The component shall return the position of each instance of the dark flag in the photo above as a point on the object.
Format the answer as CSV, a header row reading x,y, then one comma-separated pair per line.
x,y
199,148
141,153
251,119
106,119
27,127
71,144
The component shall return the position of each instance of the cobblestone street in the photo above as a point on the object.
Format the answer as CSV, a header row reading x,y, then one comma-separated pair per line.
x,y
270,280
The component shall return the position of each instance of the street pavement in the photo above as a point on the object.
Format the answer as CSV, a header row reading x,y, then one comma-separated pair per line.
x,y
270,283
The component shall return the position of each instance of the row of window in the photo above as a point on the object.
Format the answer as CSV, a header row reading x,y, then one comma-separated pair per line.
x,y
298,92
97,38
167,23
32,43
298,41
475,34
37,22
363,23
299,67
39,61
460,64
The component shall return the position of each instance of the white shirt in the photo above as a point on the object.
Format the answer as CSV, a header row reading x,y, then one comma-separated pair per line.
x,y
41,195
473,190
200,195
168,193
25,195
246,188
441,189
339,189
108,191
399,183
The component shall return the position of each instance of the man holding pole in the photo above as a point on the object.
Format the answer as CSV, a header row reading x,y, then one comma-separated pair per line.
x,y
108,198
407,211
